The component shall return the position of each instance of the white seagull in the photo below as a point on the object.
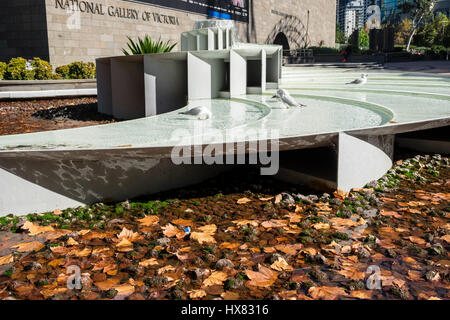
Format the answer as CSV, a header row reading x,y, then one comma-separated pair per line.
x,y
286,98
201,113
362,80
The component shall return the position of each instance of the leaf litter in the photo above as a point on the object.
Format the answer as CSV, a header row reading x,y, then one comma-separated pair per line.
x,y
239,244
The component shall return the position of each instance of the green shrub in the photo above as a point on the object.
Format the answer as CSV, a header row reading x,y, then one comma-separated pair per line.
x,y
43,70
17,70
62,72
2,70
148,45
76,70
324,50
81,70
438,49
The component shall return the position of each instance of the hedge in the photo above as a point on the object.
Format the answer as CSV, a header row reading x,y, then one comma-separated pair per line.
x,y
38,69
77,70
2,70
19,69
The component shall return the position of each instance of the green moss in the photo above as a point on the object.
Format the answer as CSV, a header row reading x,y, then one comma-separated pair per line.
x,y
8,272
305,233
340,235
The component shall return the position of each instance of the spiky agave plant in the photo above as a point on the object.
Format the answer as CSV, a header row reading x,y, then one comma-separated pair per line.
x,y
148,45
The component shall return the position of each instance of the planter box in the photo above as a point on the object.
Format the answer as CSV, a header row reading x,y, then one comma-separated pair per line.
x,y
45,85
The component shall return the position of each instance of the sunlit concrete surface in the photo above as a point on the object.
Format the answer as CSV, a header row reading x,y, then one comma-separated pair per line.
x,y
57,169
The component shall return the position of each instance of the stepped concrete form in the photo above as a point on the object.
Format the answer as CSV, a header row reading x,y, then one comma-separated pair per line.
x,y
357,126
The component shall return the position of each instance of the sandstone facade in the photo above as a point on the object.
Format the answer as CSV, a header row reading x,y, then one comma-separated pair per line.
x,y
46,28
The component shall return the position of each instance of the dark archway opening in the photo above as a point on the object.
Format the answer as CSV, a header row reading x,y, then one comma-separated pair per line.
x,y
282,40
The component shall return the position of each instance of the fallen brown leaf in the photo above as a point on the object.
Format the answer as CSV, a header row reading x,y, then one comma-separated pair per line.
x,y
281,265
29,246
107,284
244,201
216,278
263,278
171,231
205,234
35,229
197,294
274,224
326,293
149,221
149,262
6,259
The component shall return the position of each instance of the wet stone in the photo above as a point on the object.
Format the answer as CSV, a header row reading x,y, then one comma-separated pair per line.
x,y
224,263
371,213
287,198
274,257
429,237
432,275
318,275
326,196
210,257
436,249
390,253
163,242
319,258
401,293
259,258
363,253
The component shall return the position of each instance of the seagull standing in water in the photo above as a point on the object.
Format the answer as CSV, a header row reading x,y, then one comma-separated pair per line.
x,y
201,113
362,80
286,98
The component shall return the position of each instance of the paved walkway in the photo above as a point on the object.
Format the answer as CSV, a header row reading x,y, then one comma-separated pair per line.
x,y
437,67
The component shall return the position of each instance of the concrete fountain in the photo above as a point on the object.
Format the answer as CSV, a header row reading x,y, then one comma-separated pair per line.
x,y
235,81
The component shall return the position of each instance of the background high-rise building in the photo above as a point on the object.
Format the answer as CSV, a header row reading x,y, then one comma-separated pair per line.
x,y
444,7
390,11
351,14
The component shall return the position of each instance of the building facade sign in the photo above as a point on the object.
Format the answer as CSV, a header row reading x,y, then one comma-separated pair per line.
x,y
91,7
223,9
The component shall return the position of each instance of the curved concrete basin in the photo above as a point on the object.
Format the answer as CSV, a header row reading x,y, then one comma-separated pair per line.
x,y
57,169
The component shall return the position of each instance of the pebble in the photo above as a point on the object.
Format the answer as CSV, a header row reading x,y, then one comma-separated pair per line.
x,y
125,205
300,197
373,184
319,258
163,242
287,198
363,253
336,201
436,249
210,257
371,213
326,196
432,275
36,265
224,263
391,253
318,275
274,257
200,273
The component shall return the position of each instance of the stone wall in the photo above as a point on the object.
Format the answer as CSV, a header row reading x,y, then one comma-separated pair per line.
x,y
291,17
23,29
85,36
